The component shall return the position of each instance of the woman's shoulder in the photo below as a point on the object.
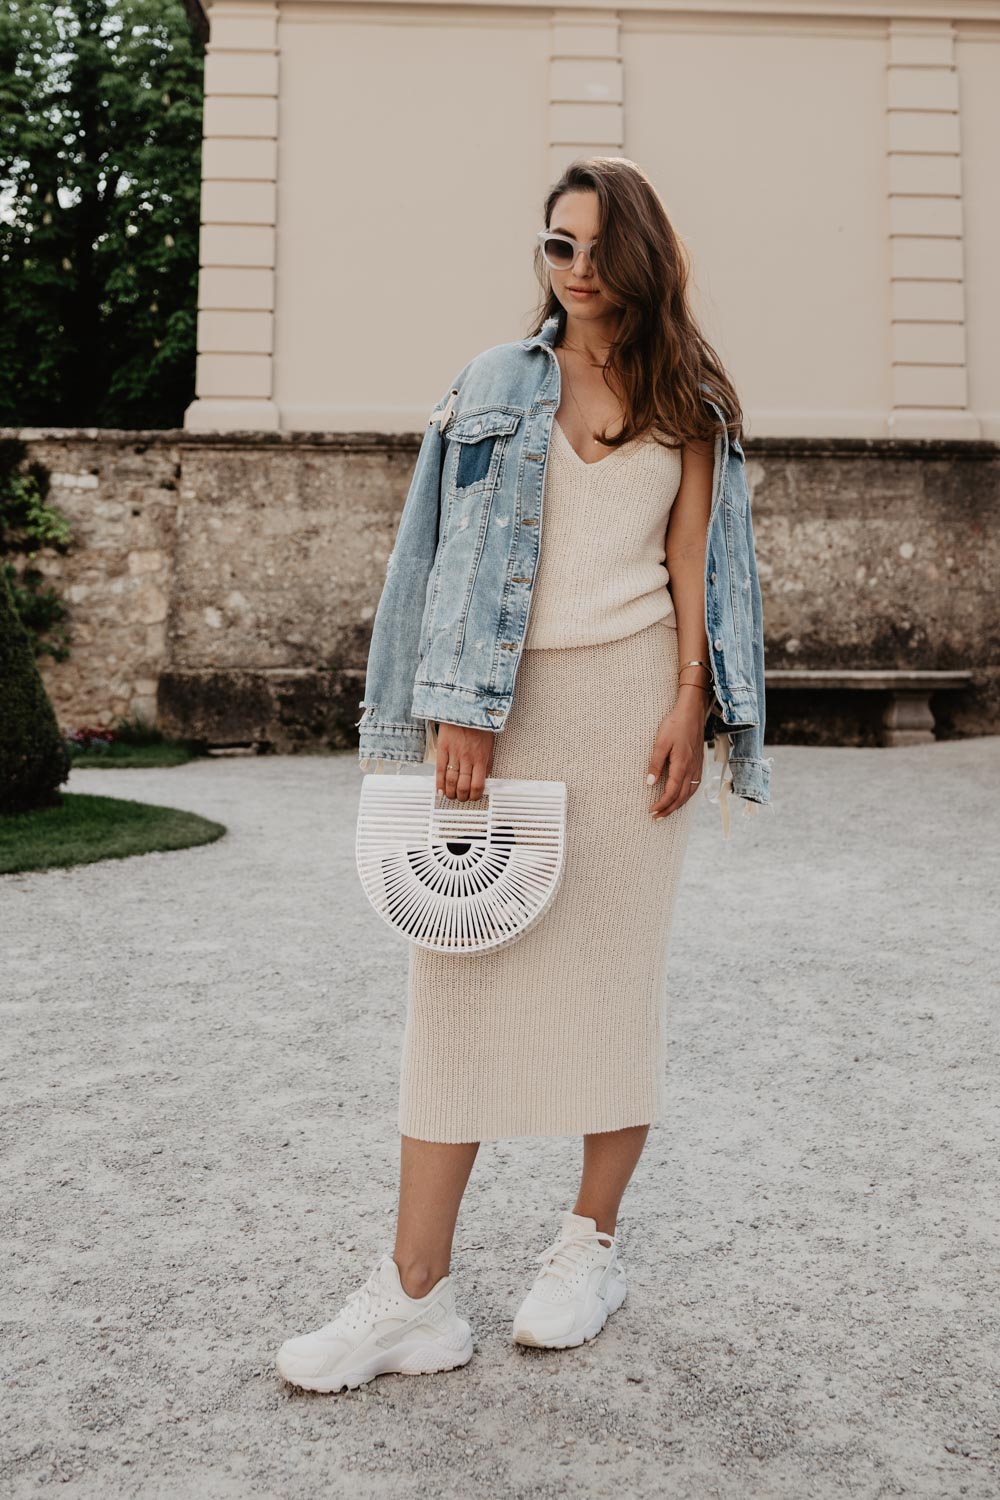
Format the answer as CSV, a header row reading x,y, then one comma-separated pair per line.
x,y
499,372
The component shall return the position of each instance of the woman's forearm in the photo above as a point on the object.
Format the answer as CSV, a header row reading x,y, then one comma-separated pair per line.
x,y
684,548
686,568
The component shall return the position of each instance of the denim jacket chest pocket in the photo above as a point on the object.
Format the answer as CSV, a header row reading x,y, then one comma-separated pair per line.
x,y
477,441
477,444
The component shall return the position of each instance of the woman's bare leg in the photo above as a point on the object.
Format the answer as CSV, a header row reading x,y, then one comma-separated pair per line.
x,y
609,1159
432,1179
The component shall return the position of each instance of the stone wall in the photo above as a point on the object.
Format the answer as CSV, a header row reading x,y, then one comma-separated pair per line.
x,y
225,585
121,493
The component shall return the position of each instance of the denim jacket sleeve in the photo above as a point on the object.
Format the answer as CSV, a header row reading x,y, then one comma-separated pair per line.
x,y
745,771
387,731
754,780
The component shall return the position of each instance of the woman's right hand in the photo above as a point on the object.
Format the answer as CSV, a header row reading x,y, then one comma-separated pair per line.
x,y
469,754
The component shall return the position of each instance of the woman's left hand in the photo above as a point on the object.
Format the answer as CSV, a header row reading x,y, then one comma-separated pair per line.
x,y
679,744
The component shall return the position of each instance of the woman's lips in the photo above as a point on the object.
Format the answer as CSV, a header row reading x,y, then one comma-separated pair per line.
x,y
581,292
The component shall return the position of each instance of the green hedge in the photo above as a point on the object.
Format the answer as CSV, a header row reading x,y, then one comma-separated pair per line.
x,y
34,759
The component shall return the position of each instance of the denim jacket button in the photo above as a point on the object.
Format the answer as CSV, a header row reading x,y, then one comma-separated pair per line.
x,y
712,577
717,644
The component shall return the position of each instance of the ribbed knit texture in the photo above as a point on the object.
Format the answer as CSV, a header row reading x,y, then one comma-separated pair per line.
x,y
563,1032
601,573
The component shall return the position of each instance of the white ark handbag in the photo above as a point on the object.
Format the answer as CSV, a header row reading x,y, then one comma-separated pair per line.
x,y
454,878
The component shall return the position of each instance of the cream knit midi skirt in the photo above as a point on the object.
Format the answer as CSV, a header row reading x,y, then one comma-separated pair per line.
x,y
563,1032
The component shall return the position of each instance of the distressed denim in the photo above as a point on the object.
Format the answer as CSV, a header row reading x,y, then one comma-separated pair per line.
x,y
450,624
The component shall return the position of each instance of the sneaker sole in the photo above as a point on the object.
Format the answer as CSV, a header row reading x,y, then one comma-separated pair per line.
x,y
412,1357
603,1311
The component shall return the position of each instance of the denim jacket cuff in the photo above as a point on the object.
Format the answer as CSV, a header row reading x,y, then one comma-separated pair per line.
x,y
380,741
751,779
748,778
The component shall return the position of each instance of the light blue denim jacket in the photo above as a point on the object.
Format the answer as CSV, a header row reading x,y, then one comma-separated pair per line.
x,y
447,636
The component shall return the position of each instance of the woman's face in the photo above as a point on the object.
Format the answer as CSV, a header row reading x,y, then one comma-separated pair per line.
x,y
578,288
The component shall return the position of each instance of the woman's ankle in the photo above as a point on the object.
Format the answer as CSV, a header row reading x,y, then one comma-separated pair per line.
x,y
418,1277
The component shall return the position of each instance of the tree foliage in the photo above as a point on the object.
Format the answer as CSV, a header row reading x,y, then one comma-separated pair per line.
x,y
100,143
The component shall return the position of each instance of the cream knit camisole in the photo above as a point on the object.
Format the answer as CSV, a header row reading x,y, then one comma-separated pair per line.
x,y
601,571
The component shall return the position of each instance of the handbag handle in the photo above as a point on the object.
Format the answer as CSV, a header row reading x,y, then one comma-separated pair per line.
x,y
440,797
443,806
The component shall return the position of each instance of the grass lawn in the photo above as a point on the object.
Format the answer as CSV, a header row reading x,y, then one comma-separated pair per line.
x,y
121,755
86,828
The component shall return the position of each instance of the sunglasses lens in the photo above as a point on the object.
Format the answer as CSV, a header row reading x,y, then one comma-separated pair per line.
x,y
558,253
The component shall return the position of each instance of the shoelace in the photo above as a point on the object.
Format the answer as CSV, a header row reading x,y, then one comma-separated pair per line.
x,y
358,1305
562,1257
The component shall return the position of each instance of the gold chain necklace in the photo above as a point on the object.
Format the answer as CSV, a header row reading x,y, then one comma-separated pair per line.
x,y
569,387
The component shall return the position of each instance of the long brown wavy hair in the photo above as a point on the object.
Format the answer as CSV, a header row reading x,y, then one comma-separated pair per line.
x,y
658,357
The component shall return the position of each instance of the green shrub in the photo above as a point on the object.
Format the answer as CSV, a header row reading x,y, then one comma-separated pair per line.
x,y
33,757
137,731
29,522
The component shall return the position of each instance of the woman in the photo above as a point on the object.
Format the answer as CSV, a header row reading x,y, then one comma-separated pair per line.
x,y
599,421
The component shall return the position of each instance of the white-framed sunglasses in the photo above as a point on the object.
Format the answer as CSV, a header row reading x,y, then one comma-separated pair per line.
x,y
561,250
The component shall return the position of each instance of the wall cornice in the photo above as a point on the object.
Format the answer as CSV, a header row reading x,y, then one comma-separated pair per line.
x,y
877,10
979,450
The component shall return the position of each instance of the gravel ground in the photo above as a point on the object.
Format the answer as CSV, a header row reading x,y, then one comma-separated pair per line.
x,y
199,1076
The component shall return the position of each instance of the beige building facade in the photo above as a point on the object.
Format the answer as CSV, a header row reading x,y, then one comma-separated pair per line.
x,y
373,176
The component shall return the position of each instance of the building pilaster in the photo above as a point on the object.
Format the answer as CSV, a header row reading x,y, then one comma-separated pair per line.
x,y
238,217
929,392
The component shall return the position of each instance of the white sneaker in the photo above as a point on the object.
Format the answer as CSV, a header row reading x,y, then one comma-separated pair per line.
x,y
379,1330
580,1284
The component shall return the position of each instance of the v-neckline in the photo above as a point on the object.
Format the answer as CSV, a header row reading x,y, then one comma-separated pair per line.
x,y
597,461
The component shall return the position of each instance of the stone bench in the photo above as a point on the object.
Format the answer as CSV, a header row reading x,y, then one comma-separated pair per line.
x,y
907,719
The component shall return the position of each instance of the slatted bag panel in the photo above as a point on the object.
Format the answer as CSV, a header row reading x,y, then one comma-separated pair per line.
x,y
460,879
